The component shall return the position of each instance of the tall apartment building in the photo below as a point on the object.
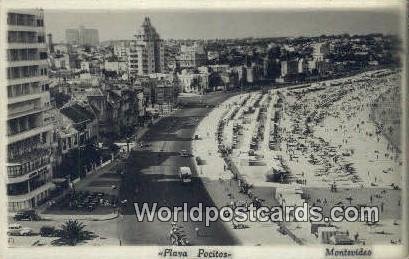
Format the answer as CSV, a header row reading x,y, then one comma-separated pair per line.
x,y
88,36
146,53
82,36
28,131
121,49
192,56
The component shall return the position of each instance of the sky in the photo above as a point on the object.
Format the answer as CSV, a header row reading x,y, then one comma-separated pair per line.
x,y
193,24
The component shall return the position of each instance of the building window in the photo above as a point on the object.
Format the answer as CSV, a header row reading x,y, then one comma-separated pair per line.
x,y
40,22
10,91
17,188
20,19
43,55
41,39
22,37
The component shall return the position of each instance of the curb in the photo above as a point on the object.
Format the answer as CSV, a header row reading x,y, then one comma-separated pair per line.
x,y
73,216
106,219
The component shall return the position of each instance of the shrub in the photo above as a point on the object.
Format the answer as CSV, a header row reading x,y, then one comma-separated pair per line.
x,y
73,232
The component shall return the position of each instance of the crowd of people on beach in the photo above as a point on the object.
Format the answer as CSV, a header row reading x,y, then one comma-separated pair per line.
x,y
348,101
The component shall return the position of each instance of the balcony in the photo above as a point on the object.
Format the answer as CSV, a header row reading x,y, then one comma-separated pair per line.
x,y
24,111
14,178
22,63
25,45
32,194
26,97
25,80
29,161
32,28
29,133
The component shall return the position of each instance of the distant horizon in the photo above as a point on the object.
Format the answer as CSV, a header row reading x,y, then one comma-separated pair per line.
x,y
212,25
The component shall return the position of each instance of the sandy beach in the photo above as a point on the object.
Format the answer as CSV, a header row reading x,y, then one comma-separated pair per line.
x,y
324,134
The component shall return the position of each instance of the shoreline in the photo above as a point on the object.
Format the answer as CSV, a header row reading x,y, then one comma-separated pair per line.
x,y
376,113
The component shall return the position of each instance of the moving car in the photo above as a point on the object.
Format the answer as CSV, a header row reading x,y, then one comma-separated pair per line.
x,y
185,174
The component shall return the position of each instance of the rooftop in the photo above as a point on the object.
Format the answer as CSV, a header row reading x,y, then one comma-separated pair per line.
x,y
77,113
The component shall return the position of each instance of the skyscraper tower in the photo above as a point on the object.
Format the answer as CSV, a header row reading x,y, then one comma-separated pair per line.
x,y
146,54
28,130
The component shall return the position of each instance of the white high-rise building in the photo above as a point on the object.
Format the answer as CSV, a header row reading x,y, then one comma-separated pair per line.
x,y
88,36
146,53
72,36
28,131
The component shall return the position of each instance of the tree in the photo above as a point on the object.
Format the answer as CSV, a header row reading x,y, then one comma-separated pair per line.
x,y
73,232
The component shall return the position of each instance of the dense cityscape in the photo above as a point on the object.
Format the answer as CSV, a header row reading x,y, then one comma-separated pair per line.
x,y
94,127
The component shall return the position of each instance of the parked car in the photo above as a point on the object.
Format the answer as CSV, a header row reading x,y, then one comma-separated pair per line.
x,y
27,215
47,231
18,230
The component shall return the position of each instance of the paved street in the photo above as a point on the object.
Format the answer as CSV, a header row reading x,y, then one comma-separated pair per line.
x,y
151,176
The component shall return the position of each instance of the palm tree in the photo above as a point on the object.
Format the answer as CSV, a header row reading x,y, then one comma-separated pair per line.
x,y
73,232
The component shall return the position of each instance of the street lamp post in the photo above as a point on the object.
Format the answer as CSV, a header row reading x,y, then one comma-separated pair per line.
x,y
79,160
127,144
